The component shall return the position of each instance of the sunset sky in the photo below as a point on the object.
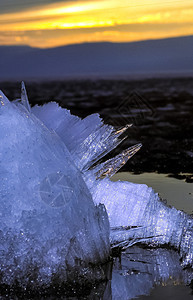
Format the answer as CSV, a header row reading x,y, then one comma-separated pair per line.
x,y
48,23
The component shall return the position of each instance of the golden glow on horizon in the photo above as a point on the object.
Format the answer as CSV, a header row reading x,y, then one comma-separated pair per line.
x,y
55,24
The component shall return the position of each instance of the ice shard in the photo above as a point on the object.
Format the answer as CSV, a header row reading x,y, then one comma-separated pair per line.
x,y
112,166
24,97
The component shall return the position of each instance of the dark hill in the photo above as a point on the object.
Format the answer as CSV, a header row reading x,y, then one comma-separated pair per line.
x,y
173,55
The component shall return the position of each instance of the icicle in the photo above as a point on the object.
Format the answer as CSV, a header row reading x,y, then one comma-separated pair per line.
x,y
24,98
111,166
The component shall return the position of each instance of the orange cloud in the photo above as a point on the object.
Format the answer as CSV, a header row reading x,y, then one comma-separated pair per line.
x,y
108,16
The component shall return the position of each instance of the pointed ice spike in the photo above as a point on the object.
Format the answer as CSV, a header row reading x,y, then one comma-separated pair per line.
x,y
122,130
24,98
111,166
3,99
102,142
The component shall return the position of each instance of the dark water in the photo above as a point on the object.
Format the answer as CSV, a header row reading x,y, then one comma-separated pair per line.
x,y
161,112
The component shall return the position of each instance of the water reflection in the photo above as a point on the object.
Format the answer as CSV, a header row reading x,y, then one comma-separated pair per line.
x,y
139,270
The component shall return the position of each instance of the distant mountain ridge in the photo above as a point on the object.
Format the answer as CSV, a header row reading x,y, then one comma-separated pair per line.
x,y
100,59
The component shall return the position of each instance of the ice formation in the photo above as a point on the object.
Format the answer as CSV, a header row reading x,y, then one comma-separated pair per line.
x,y
136,214
50,174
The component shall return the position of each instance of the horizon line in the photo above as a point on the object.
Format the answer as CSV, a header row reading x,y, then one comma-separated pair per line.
x,y
99,42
